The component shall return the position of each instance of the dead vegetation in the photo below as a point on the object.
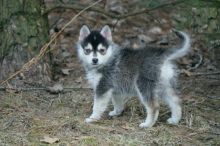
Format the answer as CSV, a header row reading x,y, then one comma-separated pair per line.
x,y
26,118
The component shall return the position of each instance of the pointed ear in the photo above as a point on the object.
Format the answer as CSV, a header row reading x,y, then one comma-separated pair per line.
x,y
106,32
84,32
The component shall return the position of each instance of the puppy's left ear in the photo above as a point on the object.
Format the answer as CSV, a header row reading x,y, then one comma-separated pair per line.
x,y
106,32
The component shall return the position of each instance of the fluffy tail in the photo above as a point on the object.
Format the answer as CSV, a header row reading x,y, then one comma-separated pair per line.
x,y
185,47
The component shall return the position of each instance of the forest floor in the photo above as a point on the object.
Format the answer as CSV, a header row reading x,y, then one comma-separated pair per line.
x,y
28,117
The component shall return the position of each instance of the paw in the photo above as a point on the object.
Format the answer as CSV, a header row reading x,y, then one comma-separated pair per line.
x,y
90,120
172,121
145,125
114,113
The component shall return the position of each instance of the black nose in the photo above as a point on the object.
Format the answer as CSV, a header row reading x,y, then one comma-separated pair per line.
x,y
94,60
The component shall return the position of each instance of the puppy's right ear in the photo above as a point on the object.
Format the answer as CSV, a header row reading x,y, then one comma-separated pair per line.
x,y
84,32
106,32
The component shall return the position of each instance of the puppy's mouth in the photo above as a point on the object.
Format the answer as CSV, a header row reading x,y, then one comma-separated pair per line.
x,y
95,64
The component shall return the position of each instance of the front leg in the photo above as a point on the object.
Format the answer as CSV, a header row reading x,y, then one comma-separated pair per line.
x,y
100,105
118,103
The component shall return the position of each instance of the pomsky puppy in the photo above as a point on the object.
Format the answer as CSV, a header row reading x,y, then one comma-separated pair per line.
x,y
118,73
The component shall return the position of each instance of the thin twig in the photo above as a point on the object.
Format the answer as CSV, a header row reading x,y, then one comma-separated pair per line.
x,y
206,73
213,97
109,14
41,88
43,50
197,64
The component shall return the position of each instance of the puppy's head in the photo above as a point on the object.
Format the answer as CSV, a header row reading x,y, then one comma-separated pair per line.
x,y
94,47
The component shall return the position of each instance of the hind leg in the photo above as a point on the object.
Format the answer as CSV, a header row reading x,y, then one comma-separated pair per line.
x,y
152,114
118,103
174,103
151,104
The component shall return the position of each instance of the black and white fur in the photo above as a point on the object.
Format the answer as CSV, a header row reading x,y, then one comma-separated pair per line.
x,y
116,74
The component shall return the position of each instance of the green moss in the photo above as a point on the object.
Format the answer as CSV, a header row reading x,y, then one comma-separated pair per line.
x,y
88,141
22,23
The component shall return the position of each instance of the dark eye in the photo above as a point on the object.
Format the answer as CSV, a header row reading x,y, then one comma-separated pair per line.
x,y
87,51
102,50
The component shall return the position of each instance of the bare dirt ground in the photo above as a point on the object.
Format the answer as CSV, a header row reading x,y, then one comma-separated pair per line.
x,y
27,116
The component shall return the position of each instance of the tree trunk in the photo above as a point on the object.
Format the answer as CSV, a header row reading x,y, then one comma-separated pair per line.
x,y
23,32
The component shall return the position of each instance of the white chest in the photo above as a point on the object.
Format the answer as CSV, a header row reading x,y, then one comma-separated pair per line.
x,y
93,78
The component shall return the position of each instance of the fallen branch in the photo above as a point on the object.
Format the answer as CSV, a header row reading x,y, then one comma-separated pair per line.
x,y
206,73
110,14
44,49
213,97
40,88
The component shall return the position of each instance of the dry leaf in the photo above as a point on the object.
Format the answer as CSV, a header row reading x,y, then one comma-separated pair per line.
x,y
185,61
66,54
155,30
65,71
79,80
11,90
127,127
163,41
145,39
49,140
70,65
188,73
135,46
57,88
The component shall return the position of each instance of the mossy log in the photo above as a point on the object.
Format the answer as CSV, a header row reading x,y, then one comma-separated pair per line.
x,y
23,32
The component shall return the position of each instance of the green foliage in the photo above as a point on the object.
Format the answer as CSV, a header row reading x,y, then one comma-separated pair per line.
x,y
88,141
192,3
153,3
150,3
204,3
202,16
